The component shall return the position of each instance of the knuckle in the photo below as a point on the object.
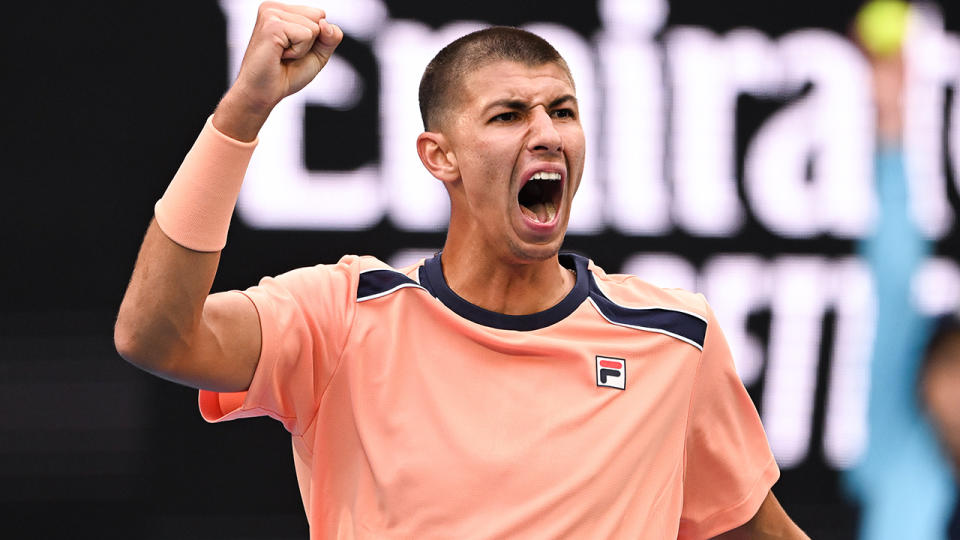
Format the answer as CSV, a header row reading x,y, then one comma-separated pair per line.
x,y
270,9
272,24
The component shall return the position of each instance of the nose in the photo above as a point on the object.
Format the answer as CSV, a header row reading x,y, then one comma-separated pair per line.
x,y
544,136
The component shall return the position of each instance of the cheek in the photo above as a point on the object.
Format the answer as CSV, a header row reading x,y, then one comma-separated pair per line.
x,y
483,182
574,143
575,148
492,163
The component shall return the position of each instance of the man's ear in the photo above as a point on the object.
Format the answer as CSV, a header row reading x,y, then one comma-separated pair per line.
x,y
436,155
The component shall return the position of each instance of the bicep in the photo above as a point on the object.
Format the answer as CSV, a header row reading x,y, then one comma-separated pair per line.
x,y
225,354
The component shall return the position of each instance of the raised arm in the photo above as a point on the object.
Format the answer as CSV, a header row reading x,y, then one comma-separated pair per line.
x,y
169,324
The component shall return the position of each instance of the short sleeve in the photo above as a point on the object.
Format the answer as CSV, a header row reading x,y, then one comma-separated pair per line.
x,y
305,318
729,467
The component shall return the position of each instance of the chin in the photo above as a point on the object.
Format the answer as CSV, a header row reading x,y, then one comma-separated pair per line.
x,y
531,253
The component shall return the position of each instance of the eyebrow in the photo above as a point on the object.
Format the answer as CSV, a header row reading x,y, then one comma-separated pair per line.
x,y
520,105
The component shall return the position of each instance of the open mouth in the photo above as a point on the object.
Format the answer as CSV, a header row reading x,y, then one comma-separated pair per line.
x,y
539,198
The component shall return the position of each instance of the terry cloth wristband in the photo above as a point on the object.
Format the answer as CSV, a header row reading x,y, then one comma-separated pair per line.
x,y
195,210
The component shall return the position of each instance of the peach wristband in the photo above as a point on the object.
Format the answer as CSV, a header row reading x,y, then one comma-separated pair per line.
x,y
195,210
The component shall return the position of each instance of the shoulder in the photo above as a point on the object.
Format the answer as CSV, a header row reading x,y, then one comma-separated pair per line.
x,y
631,291
376,278
627,300
353,277
345,274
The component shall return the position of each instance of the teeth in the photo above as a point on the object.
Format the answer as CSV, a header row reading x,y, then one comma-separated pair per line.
x,y
545,176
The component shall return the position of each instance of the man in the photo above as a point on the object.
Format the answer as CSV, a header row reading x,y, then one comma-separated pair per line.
x,y
497,390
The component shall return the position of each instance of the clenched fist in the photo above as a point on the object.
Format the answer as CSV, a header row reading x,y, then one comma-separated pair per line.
x,y
289,46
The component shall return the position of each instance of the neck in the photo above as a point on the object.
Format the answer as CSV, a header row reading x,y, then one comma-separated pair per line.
x,y
503,286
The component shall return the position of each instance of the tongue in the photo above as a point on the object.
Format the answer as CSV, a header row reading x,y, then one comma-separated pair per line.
x,y
542,212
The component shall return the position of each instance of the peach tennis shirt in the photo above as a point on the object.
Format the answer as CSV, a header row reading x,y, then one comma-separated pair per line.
x,y
414,414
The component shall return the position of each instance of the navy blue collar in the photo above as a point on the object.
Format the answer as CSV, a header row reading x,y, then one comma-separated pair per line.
x,y
431,278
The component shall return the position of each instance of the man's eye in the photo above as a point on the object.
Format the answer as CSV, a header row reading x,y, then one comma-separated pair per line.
x,y
504,117
563,113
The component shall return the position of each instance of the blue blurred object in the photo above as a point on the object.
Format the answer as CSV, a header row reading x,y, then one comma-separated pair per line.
x,y
903,482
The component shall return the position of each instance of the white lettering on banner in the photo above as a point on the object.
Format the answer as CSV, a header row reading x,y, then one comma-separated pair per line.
x,y
931,63
631,65
798,302
935,288
952,53
830,128
705,201
845,421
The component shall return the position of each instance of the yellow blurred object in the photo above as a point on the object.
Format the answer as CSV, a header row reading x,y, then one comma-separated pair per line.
x,y
881,26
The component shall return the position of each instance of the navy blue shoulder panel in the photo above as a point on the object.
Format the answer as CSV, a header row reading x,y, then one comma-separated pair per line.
x,y
379,282
681,325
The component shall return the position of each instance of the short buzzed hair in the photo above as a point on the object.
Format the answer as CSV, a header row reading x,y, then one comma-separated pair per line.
x,y
443,75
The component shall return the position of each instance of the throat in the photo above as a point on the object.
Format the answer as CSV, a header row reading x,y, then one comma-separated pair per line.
x,y
509,289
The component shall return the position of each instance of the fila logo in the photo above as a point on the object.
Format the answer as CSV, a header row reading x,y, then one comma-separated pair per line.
x,y
611,372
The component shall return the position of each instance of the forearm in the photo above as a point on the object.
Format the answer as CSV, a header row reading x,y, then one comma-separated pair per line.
x,y
239,117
